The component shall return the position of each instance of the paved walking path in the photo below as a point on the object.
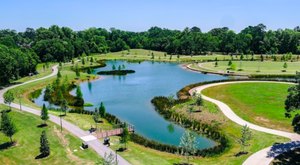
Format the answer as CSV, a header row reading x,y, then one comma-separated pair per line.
x,y
91,140
264,156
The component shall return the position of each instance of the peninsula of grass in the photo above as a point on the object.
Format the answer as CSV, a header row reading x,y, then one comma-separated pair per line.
x,y
138,155
64,147
259,103
249,67
116,72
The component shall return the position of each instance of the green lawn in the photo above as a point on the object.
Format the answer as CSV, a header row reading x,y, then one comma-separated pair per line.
x,y
141,55
139,155
250,67
40,70
259,103
64,146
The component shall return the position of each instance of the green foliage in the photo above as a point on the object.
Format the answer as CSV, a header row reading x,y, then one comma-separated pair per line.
x,y
7,126
199,100
229,63
125,137
188,144
102,110
96,116
78,92
8,97
285,65
292,104
44,145
44,114
232,67
246,136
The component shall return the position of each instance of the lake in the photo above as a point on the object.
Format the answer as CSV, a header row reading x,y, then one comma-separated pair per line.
x,y
128,97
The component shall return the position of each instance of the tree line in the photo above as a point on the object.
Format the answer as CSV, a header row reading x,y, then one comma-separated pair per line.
x,y
22,50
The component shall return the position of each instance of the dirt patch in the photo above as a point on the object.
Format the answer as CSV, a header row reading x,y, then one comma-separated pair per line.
x,y
65,143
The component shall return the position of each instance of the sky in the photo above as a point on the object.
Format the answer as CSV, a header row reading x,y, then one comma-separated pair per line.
x,y
140,15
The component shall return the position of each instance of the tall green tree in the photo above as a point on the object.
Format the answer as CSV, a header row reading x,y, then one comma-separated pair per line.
x,y
44,145
102,110
7,126
44,114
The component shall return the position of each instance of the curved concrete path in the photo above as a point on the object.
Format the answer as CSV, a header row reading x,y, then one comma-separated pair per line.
x,y
264,156
91,140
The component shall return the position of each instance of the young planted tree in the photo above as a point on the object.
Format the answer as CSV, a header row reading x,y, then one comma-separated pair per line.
x,y
7,126
8,98
246,136
188,145
96,116
78,92
64,106
102,110
125,137
199,100
229,63
285,65
113,67
58,74
44,145
44,114
77,72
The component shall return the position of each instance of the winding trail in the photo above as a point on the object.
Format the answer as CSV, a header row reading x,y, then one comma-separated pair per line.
x,y
266,155
91,140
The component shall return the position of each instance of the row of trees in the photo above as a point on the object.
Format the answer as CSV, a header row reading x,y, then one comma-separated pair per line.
x,y
20,51
62,43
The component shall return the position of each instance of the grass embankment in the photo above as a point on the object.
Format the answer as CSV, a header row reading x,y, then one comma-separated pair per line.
x,y
42,72
139,155
83,121
250,67
64,147
258,103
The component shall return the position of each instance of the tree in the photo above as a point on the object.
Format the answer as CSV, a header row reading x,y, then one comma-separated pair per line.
x,y
44,114
64,106
58,74
7,126
216,64
102,110
199,100
8,98
285,65
188,145
125,137
96,116
246,136
44,145
229,63
292,104
78,92
113,67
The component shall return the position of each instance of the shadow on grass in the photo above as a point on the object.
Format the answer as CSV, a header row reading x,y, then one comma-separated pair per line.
x,y
6,145
42,125
41,156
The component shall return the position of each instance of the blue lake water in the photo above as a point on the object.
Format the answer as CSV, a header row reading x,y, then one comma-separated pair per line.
x,y
128,97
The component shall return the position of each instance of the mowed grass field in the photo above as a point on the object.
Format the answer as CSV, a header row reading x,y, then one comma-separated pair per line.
x,y
64,147
250,67
259,103
142,54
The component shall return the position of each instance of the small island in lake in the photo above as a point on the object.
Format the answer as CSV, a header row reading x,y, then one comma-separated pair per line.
x,y
116,72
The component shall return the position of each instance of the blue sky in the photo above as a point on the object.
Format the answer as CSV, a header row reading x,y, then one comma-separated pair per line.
x,y
139,15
